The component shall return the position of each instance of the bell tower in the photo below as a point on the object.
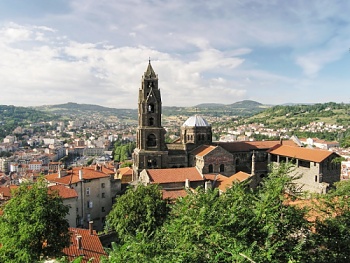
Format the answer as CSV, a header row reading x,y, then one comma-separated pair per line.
x,y
151,150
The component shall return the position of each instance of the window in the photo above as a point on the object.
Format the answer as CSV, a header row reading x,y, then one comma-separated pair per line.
x,y
88,191
222,168
210,167
103,209
89,204
103,195
151,140
150,108
151,121
316,178
103,185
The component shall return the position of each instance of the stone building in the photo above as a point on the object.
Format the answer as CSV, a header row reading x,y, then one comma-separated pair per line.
x,y
195,147
316,168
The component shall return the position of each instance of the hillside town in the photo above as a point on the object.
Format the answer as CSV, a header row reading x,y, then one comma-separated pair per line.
x,y
76,158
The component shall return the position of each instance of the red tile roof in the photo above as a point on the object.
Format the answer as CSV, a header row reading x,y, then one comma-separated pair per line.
x,y
91,246
314,155
174,175
173,194
89,173
64,191
6,190
244,146
203,150
238,177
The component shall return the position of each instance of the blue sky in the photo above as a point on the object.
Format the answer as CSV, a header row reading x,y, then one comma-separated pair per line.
x,y
222,51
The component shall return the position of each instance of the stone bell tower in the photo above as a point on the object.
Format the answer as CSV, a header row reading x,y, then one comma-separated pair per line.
x,y
151,150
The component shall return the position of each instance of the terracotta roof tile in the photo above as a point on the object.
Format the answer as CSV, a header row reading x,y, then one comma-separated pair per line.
x,y
89,173
173,194
203,150
244,146
314,155
174,175
64,191
91,246
238,177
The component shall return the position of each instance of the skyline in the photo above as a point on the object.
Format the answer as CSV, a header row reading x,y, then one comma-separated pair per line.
x,y
95,52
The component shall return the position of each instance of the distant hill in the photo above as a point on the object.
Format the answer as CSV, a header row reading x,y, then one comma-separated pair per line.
x,y
302,114
74,109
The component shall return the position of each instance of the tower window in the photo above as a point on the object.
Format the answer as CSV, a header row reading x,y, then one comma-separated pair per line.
x,y
151,140
152,163
150,108
151,121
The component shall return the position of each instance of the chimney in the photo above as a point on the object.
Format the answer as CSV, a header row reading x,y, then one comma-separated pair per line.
x,y
91,227
81,174
79,243
187,183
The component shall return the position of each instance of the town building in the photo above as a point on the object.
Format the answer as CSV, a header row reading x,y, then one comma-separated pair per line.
x,y
96,189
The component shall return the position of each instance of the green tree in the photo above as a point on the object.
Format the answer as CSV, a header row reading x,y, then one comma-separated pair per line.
x,y
331,236
140,209
33,224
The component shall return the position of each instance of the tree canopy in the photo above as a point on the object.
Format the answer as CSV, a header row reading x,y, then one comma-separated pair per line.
x,y
241,225
33,224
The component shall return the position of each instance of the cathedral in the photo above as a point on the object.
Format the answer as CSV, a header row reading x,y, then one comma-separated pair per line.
x,y
194,148
194,156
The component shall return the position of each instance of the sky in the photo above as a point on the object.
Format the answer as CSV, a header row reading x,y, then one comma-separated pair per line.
x,y
222,51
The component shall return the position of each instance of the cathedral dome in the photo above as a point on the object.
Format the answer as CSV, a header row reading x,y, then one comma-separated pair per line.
x,y
196,120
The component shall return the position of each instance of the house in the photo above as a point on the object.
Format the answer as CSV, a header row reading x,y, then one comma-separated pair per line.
x,y
96,189
316,167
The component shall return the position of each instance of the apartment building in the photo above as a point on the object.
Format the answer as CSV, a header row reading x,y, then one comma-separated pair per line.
x,y
96,189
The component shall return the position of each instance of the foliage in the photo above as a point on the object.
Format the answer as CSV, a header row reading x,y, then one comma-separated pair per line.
x,y
331,236
123,150
140,209
33,224
240,225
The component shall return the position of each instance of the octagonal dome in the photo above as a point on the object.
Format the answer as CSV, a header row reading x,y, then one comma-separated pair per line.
x,y
196,120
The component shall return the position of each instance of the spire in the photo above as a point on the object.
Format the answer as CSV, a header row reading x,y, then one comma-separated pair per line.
x,y
150,72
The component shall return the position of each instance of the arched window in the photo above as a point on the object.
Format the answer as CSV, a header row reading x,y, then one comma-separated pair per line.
x,y
151,121
151,140
222,168
150,108
210,168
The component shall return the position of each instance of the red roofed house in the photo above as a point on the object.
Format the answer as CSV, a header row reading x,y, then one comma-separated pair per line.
x,y
86,243
96,189
316,167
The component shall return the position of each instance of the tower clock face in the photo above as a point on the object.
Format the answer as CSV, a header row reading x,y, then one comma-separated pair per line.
x,y
150,85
